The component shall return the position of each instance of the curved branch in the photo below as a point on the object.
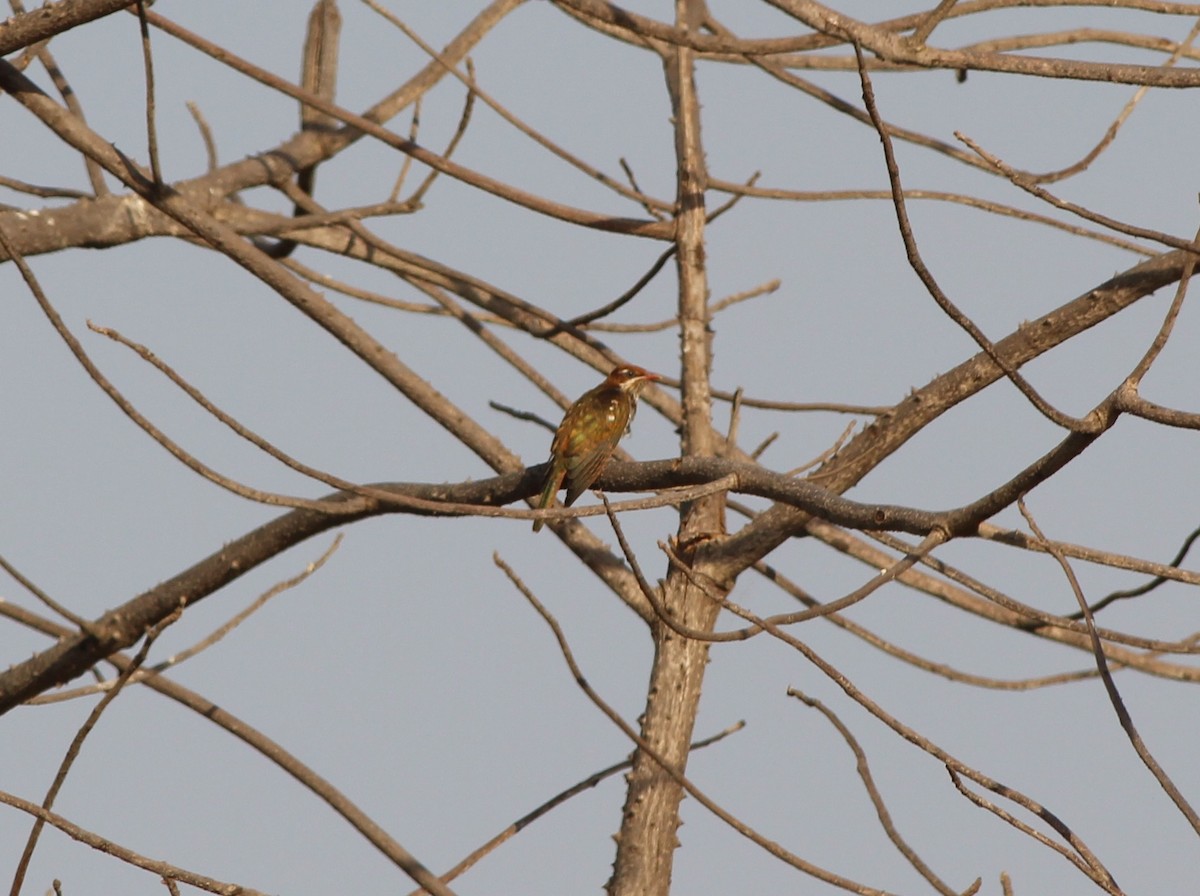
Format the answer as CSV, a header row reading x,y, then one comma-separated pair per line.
x,y
121,627
887,434
896,49
54,18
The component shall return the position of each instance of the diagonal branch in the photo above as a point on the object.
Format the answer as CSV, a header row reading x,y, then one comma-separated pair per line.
x,y
887,434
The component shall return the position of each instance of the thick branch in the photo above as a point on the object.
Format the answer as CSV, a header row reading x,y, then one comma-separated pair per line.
x,y
647,840
221,237
888,433
895,48
53,18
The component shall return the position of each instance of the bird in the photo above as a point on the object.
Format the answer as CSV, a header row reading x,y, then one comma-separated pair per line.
x,y
588,434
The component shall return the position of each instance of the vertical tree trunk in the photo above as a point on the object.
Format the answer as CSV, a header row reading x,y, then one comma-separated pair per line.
x,y
648,838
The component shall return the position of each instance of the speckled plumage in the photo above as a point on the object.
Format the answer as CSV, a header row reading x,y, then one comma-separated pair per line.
x,y
589,432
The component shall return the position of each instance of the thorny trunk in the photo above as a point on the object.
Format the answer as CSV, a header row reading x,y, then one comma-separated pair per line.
x,y
647,839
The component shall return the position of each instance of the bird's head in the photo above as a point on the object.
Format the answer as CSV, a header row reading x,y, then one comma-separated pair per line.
x,y
630,379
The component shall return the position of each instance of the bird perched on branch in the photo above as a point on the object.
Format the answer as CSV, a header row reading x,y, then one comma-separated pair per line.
x,y
589,432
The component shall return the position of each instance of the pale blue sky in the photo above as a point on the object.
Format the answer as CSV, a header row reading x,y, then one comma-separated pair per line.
x,y
408,671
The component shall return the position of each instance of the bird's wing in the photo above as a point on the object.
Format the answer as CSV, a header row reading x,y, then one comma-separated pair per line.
x,y
582,471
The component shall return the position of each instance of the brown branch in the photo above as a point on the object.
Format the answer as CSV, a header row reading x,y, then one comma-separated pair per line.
x,y
42,52
1111,133
652,205
268,748
996,208
95,841
1104,880
646,749
883,437
148,65
646,841
29,28
943,301
1026,183
1114,696
366,124
122,626
1079,853
557,800
76,744
1126,593
896,49
127,408
864,774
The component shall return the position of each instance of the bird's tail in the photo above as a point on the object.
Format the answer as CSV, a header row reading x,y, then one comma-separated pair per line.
x,y
554,478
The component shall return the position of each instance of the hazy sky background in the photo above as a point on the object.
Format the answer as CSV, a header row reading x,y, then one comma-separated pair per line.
x,y
408,671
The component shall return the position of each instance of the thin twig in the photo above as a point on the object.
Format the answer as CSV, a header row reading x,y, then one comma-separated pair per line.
x,y
1078,854
763,446
464,121
1024,182
935,291
825,456
932,20
653,206
1111,133
414,131
41,192
557,800
41,51
1148,586
659,214
529,416
206,135
272,751
675,774
151,127
1110,686
76,745
1164,331
975,202
621,300
108,847
735,417
204,643
83,624
885,818
1107,883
